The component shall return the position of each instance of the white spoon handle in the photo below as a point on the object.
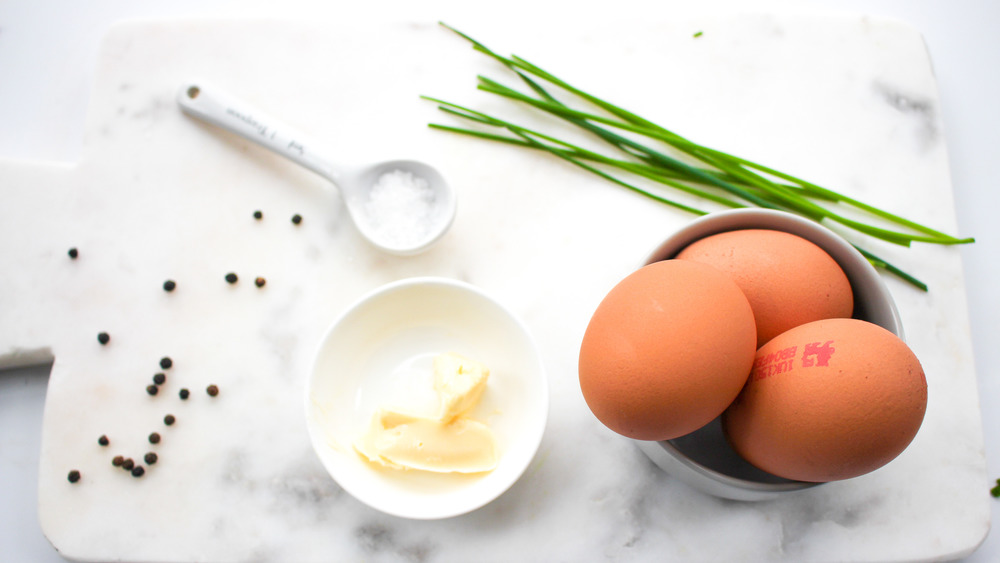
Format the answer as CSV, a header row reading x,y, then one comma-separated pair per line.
x,y
218,108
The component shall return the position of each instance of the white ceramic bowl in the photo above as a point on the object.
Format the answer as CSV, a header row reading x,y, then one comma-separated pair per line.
x,y
381,349
703,459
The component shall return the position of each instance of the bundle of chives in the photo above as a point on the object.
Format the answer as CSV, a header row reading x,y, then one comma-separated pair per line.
x,y
736,182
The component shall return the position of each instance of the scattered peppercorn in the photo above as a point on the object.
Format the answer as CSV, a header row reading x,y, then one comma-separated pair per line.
x,y
128,464
103,440
73,476
169,420
166,362
258,215
138,471
296,218
118,461
231,277
73,253
184,394
103,338
154,438
169,285
259,282
152,389
151,458
160,378
212,390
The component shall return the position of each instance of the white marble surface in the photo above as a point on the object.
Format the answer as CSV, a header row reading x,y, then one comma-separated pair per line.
x,y
618,503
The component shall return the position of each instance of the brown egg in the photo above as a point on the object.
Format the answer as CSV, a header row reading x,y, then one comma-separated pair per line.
x,y
828,400
667,350
788,280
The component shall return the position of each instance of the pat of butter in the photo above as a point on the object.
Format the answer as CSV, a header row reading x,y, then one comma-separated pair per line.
x,y
451,442
403,441
459,383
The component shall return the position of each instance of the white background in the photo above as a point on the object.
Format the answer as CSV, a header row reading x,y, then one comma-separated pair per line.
x,y
49,48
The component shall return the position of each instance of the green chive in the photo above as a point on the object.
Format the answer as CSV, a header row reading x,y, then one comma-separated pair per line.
x,y
730,180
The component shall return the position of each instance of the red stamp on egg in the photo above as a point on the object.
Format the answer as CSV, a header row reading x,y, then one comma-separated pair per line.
x,y
814,354
774,363
817,355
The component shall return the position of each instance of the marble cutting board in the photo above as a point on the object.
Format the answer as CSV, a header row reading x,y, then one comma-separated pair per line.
x,y
847,102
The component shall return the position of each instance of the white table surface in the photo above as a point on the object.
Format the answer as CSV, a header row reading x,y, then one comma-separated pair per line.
x,y
47,54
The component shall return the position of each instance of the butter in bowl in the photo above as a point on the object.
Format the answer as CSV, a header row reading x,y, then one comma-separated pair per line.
x,y
427,399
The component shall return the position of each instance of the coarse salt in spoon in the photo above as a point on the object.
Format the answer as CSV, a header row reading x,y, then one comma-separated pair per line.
x,y
400,206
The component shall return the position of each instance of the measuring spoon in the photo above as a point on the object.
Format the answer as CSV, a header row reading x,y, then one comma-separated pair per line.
x,y
400,206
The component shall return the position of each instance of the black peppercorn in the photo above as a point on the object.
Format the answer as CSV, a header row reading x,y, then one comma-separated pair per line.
x,y
138,471
296,218
231,277
73,253
152,389
212,390
103,338
184,394
118,461
259,282
73,476
258,215
128,464
151,458
169,420
169,285
154,438
103,440
166,362
159,378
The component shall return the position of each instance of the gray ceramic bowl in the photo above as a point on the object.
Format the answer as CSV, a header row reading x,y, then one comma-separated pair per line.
x,y
703,459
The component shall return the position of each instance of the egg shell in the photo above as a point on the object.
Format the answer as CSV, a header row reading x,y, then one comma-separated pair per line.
x,y
828,400
788,280
667,350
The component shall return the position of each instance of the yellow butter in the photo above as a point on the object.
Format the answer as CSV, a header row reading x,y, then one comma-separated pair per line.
x,y
402,441
451,442
459,383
